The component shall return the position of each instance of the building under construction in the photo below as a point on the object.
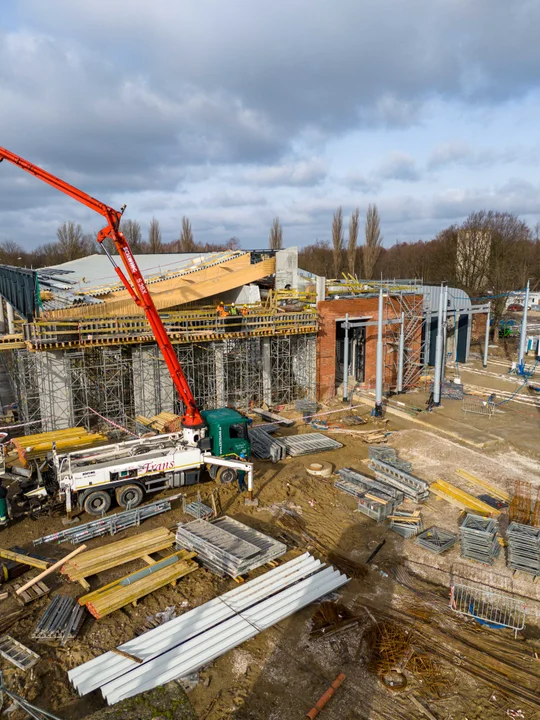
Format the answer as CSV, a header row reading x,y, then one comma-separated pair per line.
x,y
78,347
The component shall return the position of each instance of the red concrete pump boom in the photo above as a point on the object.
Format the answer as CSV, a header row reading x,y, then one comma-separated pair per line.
x,y
137,288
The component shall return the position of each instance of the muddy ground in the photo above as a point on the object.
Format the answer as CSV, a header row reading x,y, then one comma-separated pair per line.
x,y
280,674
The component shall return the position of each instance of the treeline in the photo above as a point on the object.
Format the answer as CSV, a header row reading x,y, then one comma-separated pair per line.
x,y
73,243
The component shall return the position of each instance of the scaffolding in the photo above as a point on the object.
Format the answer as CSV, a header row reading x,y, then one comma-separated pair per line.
x,y
410,305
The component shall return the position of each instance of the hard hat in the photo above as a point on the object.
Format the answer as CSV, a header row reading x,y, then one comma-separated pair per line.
x,y
232,304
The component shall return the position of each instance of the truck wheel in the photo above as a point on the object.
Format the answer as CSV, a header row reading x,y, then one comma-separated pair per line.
x,y
129,495
97,502
225,475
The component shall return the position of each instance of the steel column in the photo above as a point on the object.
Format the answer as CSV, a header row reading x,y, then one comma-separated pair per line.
x,y
438,352
523,337
401,353
346,360
379,360
486,339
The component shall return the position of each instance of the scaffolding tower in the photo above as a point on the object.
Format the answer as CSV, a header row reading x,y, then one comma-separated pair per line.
x,y
411,306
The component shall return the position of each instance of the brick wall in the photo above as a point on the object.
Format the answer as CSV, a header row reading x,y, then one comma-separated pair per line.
x,y
329,311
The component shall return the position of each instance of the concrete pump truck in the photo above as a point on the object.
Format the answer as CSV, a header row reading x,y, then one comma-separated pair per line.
x,y
215,440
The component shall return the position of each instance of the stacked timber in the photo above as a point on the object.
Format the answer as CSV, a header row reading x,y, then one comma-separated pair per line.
x,y
165,422
106,557
133,587
36,447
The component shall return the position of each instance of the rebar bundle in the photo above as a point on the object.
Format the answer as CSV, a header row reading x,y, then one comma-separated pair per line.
x,y
478,539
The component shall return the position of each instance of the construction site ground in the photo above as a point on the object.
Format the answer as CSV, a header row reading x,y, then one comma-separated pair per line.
x,y
281,673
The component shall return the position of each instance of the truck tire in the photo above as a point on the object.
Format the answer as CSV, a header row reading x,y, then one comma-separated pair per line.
x,y
97,502
131,495
225,475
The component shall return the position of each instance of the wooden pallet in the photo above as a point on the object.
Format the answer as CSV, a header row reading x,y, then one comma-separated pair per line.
x,y
35,592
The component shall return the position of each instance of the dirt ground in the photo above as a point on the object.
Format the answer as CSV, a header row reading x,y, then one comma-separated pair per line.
x,y
281,673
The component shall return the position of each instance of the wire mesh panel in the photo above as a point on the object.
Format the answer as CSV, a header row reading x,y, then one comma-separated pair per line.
x,y
489,608
477,405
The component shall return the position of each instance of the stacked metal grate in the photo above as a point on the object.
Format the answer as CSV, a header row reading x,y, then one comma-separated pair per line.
x,y
375,499
198,509
264,446
390,456
436,540
62,620
523,548
478,539
108,525
309,443
411,486
406,523
228,547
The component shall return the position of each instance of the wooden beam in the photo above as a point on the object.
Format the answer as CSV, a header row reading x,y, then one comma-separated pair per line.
x,y
49,570
24,559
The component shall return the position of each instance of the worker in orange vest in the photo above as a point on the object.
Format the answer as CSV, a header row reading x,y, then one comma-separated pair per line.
x,y
221,310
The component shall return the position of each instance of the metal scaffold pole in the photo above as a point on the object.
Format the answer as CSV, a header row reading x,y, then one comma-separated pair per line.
x,y
438,352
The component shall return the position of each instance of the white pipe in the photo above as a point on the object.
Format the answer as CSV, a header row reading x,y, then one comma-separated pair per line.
x,y
346,359
401,352
523,337
445,324
438,352
486,340
379,360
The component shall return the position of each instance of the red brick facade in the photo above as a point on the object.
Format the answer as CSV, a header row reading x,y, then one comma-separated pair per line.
x,y
329,311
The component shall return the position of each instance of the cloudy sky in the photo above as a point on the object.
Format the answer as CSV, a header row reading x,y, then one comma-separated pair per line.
x,y
234,112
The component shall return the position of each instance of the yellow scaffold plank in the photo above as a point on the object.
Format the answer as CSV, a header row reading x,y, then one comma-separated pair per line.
x,y
492,489
462,499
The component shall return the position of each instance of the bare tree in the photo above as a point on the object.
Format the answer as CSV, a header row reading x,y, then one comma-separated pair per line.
x,y
186,242
133,234
155,244
373,243
353,238
337,241
276,235
11,253
71,241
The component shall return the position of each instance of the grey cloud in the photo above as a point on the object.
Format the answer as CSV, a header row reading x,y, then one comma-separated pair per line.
x,y
295,173
461,153
399,166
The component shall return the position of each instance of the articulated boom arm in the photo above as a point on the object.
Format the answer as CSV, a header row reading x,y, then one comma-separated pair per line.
x,y
136,288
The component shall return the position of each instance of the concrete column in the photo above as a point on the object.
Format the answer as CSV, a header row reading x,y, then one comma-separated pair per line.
x,y
523,336
153,389
438,352
379,359
486,339
10,319
54,395
266,371
221,393
346,360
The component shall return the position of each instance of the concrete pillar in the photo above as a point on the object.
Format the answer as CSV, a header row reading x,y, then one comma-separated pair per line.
x,y
221,390
10,319
456,334
153,389
346,360
54,394
445,327
266,371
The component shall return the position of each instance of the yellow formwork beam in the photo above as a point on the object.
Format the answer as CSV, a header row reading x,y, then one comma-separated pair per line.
x,y
492,489
462,499
24,559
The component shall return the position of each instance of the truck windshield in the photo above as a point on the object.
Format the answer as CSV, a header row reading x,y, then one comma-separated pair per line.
x,y
238,431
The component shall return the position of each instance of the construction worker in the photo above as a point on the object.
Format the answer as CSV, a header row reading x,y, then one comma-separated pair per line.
x,y
233,310
3,505
221,310
244,310
235,324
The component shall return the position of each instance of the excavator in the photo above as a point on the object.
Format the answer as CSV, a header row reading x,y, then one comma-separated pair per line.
x,y
216,440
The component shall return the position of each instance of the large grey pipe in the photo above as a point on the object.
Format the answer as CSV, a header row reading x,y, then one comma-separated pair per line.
x,y
379,360
445,323
523,337
438,351
346,360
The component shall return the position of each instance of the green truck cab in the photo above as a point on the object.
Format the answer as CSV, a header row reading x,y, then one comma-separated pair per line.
x,y
228,432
